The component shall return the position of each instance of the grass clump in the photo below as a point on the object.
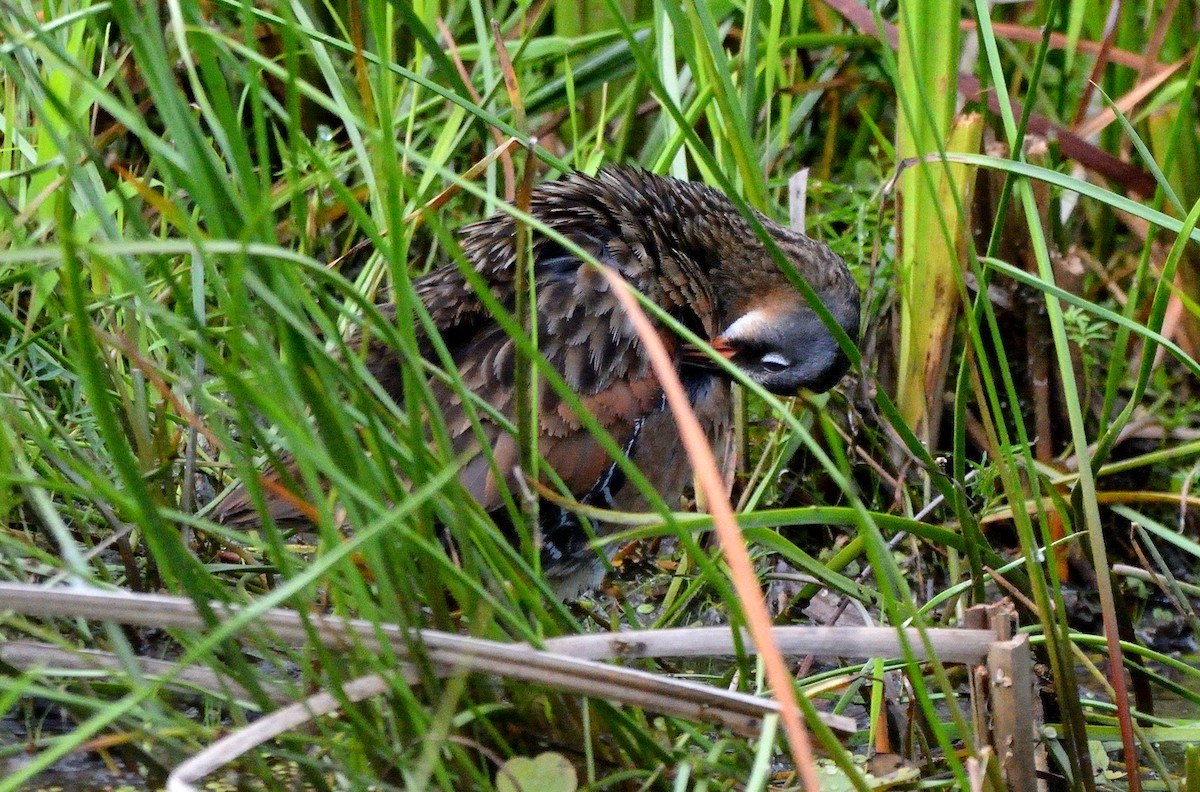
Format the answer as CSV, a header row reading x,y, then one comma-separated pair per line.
x,y
198,200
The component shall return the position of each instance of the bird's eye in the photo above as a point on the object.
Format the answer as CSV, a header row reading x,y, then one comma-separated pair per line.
x,y
774,363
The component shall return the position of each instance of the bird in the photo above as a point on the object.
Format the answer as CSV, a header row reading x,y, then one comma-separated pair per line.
x,y
687,248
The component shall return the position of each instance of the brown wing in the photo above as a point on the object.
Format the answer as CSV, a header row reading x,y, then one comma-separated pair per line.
x,y
584,334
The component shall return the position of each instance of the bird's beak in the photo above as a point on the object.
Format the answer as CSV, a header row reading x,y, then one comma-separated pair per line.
x,y
700,357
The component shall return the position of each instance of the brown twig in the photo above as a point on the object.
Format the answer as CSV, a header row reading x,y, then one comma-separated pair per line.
x,y
1106,43
506,161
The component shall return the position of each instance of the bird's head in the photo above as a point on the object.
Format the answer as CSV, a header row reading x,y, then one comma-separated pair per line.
x,y
705,250
785,348
771,333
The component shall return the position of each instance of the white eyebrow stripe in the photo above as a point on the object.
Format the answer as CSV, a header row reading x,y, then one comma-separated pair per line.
x,y
774,358
748,325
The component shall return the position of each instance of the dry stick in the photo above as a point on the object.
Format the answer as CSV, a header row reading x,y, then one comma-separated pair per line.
x,y
230,747
742,713
49,658
949,644
1013,592
745,583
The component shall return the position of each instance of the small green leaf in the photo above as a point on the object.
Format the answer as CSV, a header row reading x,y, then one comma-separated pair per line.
x,y
548,772
1100,760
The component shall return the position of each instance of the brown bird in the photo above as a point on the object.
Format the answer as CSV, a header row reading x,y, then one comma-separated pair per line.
x,y
686,248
